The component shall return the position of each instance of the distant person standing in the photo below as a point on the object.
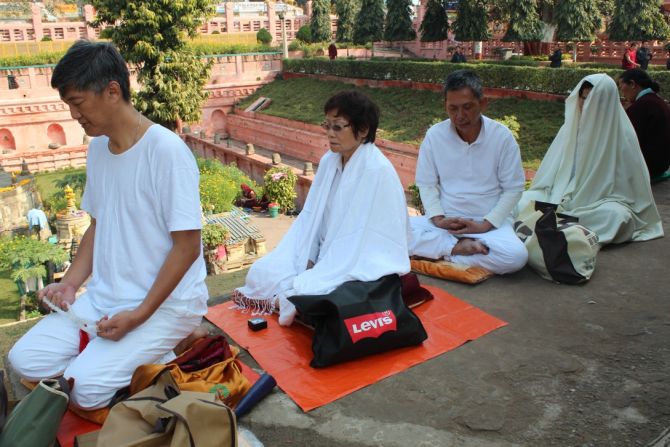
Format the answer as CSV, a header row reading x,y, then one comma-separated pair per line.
x,y
332,51
643,55
630,57
556,58
458,56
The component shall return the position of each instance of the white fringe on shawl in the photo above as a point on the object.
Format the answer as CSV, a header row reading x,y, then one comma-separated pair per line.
x,y
366,239
610,192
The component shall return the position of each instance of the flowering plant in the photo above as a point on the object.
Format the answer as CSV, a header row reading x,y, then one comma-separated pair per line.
x,y
273,205
279,186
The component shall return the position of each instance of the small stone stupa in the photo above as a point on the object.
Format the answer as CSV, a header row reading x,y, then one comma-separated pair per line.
x,y
72,223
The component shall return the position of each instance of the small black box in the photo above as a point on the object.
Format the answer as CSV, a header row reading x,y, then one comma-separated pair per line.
x,y
256,324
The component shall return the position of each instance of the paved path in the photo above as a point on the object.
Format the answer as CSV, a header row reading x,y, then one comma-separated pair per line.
x,y
576,366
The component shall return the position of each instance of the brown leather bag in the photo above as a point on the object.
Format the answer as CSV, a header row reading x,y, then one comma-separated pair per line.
x,y
162,415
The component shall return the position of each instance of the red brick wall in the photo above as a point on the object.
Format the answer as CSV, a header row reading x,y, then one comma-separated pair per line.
x,y
308,142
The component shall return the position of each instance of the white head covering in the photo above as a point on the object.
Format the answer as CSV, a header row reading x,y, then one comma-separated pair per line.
x,y
595,171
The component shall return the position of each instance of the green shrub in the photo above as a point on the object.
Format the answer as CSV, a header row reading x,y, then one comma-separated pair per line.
x,y
56,203
279,186
46,39
416,198
34,59
536,79
214,235
217,193
220,185
304,34
512,124
263,36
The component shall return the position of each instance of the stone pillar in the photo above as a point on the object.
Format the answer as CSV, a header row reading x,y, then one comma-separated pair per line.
x,y
239,68
89,15
230,17
477,49
37,21
32,78
272,22
308,9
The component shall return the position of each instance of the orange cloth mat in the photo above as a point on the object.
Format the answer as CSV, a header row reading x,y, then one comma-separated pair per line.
x,y
73,425
285,353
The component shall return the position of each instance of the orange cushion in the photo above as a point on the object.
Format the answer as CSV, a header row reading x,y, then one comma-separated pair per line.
x,y
451,271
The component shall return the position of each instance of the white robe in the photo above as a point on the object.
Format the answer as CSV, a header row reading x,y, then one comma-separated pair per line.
x,y
366,235
594,169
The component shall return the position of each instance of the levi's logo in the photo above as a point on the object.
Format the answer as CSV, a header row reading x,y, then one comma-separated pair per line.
x,y
370,325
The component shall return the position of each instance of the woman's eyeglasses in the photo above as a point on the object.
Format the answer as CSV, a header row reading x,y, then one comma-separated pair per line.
x,y
336,127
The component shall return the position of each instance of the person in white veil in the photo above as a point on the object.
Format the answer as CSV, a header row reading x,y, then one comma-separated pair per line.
x,y
594,169
353,226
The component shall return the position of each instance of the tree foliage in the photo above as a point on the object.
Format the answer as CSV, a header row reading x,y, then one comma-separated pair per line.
x,y
577,20
25,258
151,35
435,24
320,22
304,34
346,11
524,21
263,36
638,20
398,21
472,21
369,25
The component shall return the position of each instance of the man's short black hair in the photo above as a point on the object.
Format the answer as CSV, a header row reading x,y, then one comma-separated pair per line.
x,y
358,109
91,66
464,78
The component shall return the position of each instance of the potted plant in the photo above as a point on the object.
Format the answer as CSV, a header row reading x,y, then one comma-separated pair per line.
x,y
214,237
273,209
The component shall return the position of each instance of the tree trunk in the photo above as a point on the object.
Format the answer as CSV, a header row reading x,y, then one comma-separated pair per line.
x,y
22,307
401,48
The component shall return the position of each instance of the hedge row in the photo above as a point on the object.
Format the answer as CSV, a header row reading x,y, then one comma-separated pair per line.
x,y
198,48
537,79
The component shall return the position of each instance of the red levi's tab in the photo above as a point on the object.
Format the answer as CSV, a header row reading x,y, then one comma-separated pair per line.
x,y
370,325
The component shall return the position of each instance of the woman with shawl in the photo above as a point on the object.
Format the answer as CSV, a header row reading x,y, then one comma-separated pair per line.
x,y
594,169
353,225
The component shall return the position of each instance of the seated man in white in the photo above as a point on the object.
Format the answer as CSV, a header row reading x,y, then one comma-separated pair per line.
x,y
353,226
470,178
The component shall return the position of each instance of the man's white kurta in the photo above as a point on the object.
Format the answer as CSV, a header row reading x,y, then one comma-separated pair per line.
x,y
482,180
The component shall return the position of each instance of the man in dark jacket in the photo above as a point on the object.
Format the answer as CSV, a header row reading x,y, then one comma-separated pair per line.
x,y
556,58
644,55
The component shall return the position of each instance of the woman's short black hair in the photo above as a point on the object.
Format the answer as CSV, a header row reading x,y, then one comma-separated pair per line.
x,y
91,66
641,78
358,109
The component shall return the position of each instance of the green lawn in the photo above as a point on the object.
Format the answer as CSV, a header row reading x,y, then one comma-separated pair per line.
x,y
407,114
45,180
9,299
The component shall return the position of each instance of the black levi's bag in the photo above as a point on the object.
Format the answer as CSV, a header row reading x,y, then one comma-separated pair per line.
x,y
359,319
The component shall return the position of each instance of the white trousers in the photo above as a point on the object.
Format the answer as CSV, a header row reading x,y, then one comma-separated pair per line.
x,y
51,348
507,253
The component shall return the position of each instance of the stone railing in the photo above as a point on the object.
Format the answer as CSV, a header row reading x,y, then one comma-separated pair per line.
x,y
254,165
46,160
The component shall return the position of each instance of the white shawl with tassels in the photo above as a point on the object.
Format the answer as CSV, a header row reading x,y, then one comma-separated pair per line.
x,y
366,237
